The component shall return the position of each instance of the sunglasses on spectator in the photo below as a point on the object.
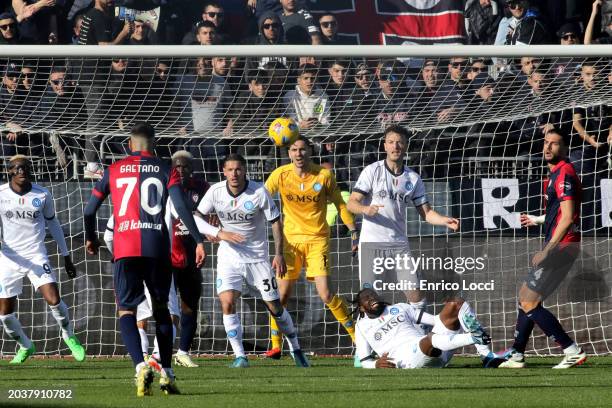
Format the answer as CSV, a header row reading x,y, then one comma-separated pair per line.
x,y
477,69
27,75
569,36
457,64
57,82
328,24
514,6
271,26
7,26
213,14
118,59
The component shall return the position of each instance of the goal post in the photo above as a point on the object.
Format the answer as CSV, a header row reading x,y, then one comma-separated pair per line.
x,y
477,116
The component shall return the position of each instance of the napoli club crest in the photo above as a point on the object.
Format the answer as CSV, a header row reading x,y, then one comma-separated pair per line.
x,y
36,202
249,205
317,187
408,186
394,310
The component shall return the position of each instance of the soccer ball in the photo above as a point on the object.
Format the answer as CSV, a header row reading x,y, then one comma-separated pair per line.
x,y
283,131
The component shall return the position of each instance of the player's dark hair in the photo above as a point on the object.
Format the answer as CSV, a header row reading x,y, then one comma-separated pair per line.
x,y
143,129
564,136
400,130
234,157
356,302
303,139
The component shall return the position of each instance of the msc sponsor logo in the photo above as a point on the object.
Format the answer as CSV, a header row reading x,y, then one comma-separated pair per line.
x,y
303,198
22,215
391,324
235,216
395,196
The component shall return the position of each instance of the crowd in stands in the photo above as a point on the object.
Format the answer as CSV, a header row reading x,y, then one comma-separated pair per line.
x,y
228,97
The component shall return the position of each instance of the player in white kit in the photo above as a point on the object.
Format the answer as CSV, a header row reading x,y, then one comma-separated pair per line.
x,y
391,336
26,209
244,207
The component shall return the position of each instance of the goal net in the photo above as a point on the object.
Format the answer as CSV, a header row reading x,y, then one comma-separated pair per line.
x,y
477,118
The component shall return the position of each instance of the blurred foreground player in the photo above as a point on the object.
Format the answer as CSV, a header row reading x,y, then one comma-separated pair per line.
x,y
390,336
139,186
563,193
25,210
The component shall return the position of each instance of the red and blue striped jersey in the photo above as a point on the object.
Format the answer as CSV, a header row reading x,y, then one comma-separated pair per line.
x,y
138,186
562,184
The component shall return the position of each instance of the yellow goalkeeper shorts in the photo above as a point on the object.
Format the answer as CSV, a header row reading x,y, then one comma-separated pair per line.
x,y
313,256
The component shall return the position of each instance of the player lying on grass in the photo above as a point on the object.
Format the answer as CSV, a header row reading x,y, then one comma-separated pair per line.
x,y
390,336
25,210
244,207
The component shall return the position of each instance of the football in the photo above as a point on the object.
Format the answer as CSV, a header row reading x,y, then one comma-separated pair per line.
x,y
283,131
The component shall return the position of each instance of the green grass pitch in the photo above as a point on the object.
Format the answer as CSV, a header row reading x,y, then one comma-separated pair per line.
x,y
331,382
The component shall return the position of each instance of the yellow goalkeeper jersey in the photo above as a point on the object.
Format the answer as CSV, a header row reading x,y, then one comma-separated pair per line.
x,y
304,201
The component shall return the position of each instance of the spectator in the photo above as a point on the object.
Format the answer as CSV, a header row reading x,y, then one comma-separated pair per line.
x,y
212,13
161,106
431,97
8,29
97,26
270,33
477,66
140,35
569,34
592,125
206,97
393,106
339,90
76,28
526,28
328,24
39,20
456,79
63,103
10,107
206,33
606,23
298,24
482,20
308,105
253,111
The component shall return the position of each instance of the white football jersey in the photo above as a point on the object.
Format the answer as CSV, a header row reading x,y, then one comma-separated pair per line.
x,y
245,214
23,220
395,192
392,332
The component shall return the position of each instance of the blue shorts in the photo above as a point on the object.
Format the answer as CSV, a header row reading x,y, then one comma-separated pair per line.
x,y
130,275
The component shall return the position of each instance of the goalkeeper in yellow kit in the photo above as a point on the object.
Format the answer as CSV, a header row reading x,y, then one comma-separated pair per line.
x,y
305,189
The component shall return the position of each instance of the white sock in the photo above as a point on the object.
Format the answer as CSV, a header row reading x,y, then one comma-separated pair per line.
x,y
571,349
61,315
285,325
233,329
466,309
451,341
12,327
144,340
139,366
156,346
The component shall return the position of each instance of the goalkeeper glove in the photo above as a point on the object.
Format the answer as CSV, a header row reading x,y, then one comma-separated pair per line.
x,y
69,266
354,241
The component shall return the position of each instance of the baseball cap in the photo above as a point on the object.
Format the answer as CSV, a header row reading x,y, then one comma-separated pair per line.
x,y
6,14
12,69
569,28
